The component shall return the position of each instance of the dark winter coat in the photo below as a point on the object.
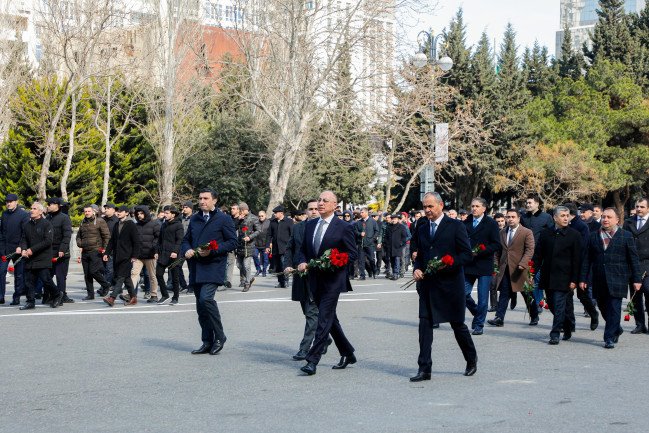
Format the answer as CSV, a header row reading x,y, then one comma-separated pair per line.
x,y
252,230
485,233
149,233
558,256
279,232
641,239
537,222
219,228
441,295
11,230
110,222
260,241
93,235
171,238
61,232
395,239
371,229
300,289
37,237
124,246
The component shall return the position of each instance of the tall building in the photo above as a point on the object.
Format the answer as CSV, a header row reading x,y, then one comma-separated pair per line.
x,y
581,16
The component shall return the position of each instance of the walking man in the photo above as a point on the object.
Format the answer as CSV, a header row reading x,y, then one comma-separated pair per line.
x,y
92,240
279,232
124,247
639,229
207,267
367,235
61,235
12,224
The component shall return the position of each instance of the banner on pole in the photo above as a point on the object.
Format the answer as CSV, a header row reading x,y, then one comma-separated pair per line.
x,y
441,142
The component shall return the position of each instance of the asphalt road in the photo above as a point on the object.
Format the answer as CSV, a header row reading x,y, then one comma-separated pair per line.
x,y
87,367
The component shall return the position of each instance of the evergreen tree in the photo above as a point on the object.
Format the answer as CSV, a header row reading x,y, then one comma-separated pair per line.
x,y
482,74
569,63
455,48
539,75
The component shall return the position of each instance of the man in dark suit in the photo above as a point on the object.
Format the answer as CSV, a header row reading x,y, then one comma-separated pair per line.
x,y
207,267
639,229
614,261
396,236
301,292
320,235
482,231
441,294
557,256
367,235
279,232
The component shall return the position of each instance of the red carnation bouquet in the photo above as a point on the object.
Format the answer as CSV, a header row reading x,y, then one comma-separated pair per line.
x,y
478,248
245,244
210,246
65,255
433,266
9,257
331,260
529,286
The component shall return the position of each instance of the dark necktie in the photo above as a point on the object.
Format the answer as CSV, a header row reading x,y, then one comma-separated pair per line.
x,y
433,227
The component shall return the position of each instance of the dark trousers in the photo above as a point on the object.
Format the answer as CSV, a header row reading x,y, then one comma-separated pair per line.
x,y
60,270
611,309
328,324
396,265
310,310
119,282
181,276
209,316
562,306
587,302
277,261
93,268
19,284
31,280
386,262
493,293
640,309
363,253
260,264
379,259
175,280
462,336
108,270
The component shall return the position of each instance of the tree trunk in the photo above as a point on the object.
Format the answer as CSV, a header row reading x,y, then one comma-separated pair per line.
x,y
619,202
388,183
68,160
289,144
407,188
104,189
50,145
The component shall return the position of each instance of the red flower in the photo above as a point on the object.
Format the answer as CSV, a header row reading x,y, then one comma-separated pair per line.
x,y
530,263
100,250
627,318
447,260
493,275
10,269
541,304
482,247
546,306
335,252
244,229
54,259
270,255
4,259
213,245
532,270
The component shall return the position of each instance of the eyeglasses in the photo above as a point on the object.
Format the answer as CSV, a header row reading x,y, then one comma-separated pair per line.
x,y
324,200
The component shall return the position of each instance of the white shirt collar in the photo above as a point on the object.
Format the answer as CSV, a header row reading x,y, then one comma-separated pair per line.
x,y
514,230
478,219
438,220
328,219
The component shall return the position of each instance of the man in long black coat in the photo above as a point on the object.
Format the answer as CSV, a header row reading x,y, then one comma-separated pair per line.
x,y
61,235
36,249
557,256
124,247
171,238
441,294
639,229
395,241
613,257
367,235
279,232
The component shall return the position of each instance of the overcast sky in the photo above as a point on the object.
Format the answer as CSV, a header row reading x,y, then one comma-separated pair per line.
x,y
532,20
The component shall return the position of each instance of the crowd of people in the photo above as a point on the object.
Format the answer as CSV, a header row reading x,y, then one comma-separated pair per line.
x,y
545,257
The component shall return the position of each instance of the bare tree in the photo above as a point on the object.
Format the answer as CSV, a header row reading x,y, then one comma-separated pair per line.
x,y
73,34
176,121
290,50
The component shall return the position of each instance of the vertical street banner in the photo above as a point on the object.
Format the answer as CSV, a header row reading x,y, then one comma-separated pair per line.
x,y
441,142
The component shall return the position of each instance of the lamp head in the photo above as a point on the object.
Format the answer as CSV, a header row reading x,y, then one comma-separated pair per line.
x,y
445,63
420,60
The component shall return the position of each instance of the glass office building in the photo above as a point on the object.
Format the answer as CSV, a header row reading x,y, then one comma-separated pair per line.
x,y
581,16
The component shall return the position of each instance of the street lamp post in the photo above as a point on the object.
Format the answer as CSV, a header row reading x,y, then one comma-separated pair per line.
x,y
445,64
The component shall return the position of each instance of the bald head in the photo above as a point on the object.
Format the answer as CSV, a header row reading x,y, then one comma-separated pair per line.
x,y
327,203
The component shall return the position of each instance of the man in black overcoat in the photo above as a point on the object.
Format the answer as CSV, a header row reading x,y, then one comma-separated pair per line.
x,y
279,232
441,294
124,247
557,256
367,235
639,229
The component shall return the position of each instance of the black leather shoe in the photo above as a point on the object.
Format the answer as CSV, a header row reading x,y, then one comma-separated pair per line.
x,y
496,321
594,321
28,306
640,329
471,368
309,368
566,336
492,310
477,331
14,302
554,341
300,356
88,298
217,346
435,325
609,345
534,322
57,300
324,351
362,278
617,336
2,301
345,361
420,376
205,348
